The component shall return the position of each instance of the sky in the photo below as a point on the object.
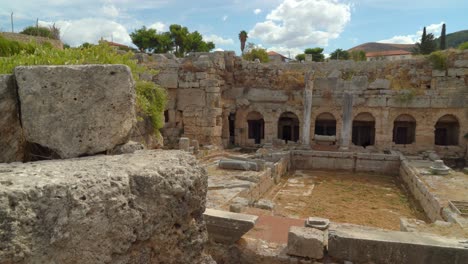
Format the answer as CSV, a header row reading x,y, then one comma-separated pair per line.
x,y
284,26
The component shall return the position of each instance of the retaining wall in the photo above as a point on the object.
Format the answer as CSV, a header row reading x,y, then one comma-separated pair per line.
x,y
430,203
368,162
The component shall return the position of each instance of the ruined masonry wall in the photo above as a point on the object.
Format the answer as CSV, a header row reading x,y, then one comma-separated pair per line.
x,y
205,89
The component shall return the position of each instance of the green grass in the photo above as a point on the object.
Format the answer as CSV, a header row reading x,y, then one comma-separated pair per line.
x,y
463,46
151,99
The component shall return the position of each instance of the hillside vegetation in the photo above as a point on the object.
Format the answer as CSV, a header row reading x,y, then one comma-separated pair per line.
x,y
151,99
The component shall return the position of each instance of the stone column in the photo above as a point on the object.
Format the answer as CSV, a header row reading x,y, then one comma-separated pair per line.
x,y
346,128
309,86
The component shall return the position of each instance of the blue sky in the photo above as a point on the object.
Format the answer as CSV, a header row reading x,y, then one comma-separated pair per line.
x,y
285,26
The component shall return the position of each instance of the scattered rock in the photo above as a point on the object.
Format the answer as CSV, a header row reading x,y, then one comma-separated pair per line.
x,y
129,147
184,144
305,242
317,222
265,204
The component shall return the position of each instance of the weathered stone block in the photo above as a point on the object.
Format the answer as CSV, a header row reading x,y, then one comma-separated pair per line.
x,y
453,72
133,208
267,95
11,134
227,227
380,84
382,246
305,242
168,79
190,97
76,110
438,73
461,63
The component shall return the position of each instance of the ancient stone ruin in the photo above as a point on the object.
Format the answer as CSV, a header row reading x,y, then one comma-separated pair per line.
x,y
275,163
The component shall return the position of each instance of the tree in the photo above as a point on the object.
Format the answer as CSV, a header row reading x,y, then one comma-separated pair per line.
x,y
300,57
316,53
443,42
339,54
256,53
144,38
243,38
358,55
427,44
178,40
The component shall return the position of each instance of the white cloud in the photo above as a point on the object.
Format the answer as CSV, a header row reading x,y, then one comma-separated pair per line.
x,y
218,49
257,11
217,40
413,38
76,32
297,23
110,11
159,26
225,18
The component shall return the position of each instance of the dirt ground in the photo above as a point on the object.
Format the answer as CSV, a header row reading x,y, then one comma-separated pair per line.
x,y
342,196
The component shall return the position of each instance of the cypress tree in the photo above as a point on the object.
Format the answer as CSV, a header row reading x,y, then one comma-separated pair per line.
x,y
442,38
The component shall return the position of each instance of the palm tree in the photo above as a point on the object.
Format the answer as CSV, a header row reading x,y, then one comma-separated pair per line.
x,y
243,38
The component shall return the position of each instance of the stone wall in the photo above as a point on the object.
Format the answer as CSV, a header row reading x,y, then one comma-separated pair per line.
x,y
213,95
136,208
431,205
34,39
379,163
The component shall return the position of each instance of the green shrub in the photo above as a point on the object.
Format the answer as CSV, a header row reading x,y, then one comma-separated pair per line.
x,y
12,47
41,32
438,60
151,99
463,46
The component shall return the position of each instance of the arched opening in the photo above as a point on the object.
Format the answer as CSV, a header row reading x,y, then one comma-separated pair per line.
x,y
363,130
288,127
404,129
447,131
325,125
256,126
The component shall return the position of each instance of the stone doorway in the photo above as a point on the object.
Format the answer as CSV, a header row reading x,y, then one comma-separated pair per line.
x,y
325,125
232,128
288,127
363,130
447,131
256,127
404,128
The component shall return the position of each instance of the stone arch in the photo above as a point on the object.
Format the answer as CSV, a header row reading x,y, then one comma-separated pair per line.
x,y
363,133
447,130
256,126
404,129
325,124
288,127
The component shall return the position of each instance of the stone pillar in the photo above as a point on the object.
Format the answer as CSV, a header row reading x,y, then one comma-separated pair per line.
x,y
184,143
307,110
346,128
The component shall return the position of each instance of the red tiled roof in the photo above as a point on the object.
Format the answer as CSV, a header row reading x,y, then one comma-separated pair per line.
x,y
272,53
387,53
116,44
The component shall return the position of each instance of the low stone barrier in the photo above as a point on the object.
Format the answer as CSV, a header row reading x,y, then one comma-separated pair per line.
x,y
368,162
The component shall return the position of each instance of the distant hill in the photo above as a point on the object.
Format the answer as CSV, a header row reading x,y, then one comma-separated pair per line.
x,y
454,39
378,47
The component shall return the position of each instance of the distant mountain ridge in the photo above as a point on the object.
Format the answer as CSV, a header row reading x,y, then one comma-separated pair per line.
x,y
453,40
378,47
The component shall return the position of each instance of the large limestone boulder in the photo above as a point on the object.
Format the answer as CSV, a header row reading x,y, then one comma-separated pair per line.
x,y
144,207
76,110
11,135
